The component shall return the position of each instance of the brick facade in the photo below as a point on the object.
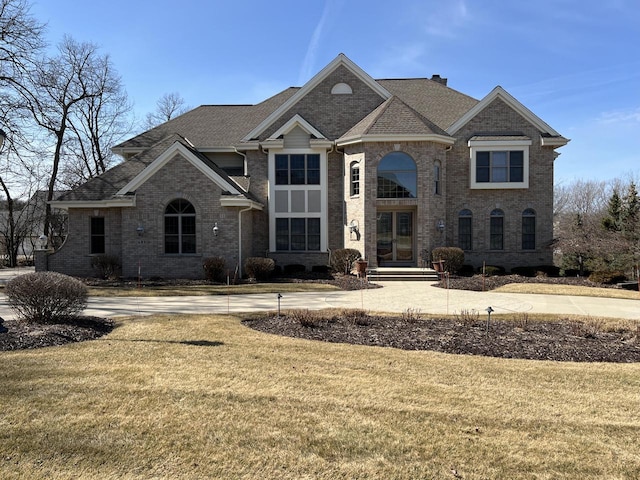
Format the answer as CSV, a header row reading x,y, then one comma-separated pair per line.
x,y
342,124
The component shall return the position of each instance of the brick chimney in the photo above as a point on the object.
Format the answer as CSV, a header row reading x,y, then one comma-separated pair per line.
x,y
439,79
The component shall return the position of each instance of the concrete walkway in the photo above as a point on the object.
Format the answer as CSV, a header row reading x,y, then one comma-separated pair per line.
x,y
396,296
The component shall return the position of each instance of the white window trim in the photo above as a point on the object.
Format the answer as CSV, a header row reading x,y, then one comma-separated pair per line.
x,y
495,146
323,187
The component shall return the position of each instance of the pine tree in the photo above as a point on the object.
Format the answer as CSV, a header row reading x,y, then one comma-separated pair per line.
x,y
613,220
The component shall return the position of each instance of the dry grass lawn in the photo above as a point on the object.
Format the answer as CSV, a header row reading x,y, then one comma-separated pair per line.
x,y
555,289
205,289
181,397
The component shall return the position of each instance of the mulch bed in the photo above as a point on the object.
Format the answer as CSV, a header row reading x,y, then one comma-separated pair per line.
x,y
478,283
569,341
24,335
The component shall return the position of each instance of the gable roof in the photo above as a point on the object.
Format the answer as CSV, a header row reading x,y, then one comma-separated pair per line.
x,y
207,168
340,61
209,126
116,186
503,95
439,103
395,120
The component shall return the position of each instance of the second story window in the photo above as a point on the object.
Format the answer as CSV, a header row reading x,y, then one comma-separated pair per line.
x,y
298,169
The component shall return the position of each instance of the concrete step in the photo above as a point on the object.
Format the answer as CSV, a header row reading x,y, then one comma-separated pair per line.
x,y
407,274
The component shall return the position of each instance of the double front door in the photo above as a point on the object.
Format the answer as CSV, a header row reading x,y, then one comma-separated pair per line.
x,y
395,238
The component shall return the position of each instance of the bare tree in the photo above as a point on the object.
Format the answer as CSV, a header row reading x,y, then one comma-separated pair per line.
x,y
21,38
21,41
169,106
59,87
99,122
578,211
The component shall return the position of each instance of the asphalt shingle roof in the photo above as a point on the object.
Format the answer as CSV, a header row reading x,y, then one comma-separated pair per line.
x,y
394,117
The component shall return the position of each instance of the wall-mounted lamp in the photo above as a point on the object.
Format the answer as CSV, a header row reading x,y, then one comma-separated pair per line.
x,y
353,226
140,230
215,229
440,226
43,241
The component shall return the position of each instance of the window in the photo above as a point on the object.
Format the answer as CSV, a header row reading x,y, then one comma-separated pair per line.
x,y
499,162
297,234
436,178
496,230
355,179
397,176
180,227
465,238
298,169
500,166
97,235
529,229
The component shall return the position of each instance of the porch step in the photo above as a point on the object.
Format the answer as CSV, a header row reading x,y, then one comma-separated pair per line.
x,y
407,274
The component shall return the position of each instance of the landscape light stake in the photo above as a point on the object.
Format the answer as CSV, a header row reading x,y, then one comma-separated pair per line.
x,y
489,310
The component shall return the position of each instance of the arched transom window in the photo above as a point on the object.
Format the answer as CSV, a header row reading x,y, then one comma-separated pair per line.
x,y
180,227
397,176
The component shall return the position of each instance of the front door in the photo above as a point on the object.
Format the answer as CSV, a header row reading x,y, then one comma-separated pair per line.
x,y
395,238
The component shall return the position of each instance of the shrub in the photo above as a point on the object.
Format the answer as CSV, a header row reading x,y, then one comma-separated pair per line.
x,y
358,317
108,266
492,270
466,271
259,268
342,259
548,270
524,271
294,268
46,297
324,269
453,257
306,318
214,269
607,277
468,317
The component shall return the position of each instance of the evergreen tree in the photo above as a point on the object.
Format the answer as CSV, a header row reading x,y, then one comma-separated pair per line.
x,y
613,220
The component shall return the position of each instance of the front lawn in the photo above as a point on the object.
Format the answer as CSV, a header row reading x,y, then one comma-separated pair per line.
x,y
207,397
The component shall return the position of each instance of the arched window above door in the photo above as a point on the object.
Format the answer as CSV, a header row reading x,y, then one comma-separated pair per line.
x,y
397,176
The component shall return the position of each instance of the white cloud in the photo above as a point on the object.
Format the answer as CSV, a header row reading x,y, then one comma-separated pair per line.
x,y
620,117
330,10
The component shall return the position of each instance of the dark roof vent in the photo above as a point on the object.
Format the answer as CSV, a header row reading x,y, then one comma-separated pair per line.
x,y
439,79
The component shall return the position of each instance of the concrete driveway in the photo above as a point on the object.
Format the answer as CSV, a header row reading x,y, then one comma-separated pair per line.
x,y
393,297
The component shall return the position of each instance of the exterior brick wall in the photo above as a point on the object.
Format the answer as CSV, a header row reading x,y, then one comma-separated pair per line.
x,y
145,254
332,115
499,118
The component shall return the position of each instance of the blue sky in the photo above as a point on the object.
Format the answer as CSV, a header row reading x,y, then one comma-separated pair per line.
x,y
574,63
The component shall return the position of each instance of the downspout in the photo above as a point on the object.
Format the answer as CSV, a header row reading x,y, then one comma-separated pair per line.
x,y
240,212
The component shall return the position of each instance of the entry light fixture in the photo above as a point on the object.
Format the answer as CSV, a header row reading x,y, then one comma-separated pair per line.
x,y
140,230
215,229
440,225
353,226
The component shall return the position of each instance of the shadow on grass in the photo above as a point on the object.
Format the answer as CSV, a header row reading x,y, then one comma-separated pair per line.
x,y
197,343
